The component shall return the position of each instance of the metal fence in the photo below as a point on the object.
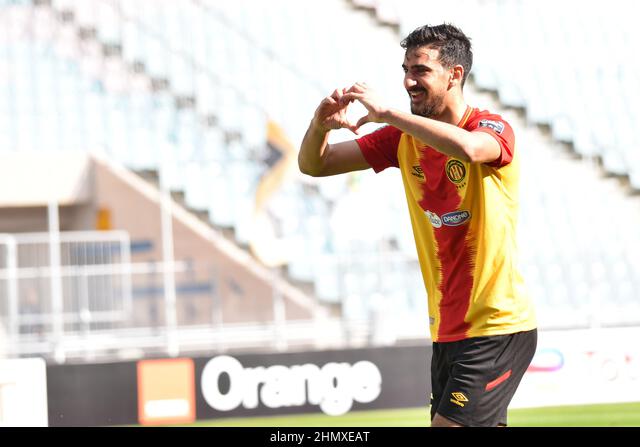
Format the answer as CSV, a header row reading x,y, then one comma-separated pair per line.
x,y
57,283
77,296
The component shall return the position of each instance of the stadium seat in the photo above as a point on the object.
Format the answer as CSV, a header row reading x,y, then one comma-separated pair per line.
x,y
242,64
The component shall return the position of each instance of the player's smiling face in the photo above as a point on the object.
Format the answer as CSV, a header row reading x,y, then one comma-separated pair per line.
x,y
426,81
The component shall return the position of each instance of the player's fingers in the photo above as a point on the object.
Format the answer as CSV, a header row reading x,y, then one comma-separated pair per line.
x,y
361,86
344,91
362,121
352,127
331,99
357,88
350,96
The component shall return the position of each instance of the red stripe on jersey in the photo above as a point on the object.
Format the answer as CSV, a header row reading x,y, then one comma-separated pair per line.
x,y
440,196
494,383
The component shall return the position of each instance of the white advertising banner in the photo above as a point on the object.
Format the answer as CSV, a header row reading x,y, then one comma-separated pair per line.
x,y
23,393
582,367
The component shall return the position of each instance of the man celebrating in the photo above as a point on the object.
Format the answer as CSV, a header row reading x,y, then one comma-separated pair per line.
x,y
460,172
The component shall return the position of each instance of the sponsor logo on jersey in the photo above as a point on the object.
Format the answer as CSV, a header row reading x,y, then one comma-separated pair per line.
x,y
496,126
459,398
434,219
455,170
455,218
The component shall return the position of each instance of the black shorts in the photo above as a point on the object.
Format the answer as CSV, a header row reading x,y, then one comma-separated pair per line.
x,y
474,380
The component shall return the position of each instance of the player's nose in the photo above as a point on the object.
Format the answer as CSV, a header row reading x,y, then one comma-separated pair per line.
x,y
409,82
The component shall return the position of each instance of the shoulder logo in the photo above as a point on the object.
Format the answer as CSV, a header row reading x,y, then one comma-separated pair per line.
x,y
417,172
455,170
496,126
455,218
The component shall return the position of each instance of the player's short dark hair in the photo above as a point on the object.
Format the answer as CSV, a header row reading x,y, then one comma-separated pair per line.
x,y
454,46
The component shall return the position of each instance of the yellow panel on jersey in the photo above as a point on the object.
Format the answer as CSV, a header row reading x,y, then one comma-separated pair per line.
x,y
464,222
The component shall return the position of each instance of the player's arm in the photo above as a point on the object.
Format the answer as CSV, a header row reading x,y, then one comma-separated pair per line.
x,y
317,157
475,147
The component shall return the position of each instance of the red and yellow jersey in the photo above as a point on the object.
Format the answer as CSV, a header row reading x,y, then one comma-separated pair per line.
x,y
464,219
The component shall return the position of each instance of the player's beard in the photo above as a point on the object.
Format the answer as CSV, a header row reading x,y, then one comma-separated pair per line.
x,y
432,106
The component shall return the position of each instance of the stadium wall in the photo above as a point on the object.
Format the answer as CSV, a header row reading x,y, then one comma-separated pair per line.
x,y
181,390
570,368
219,286
245,292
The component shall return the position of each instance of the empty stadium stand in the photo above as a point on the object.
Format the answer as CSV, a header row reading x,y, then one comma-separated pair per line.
x,y
212,98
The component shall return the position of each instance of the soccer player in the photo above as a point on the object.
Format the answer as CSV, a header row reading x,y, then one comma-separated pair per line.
x,y
459,167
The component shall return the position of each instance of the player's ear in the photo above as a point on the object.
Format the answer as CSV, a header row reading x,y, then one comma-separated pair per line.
x,y
456,74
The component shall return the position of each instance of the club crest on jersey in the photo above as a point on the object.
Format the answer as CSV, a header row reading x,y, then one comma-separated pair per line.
x,y
496,126
455,170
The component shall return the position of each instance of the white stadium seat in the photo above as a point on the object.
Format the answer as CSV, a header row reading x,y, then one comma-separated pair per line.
x,y
245,63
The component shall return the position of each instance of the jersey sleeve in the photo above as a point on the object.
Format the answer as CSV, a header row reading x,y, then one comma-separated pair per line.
x,y
380,148
499,129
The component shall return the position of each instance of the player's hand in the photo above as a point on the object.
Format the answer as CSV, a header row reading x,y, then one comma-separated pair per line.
x,y
361,92
332,113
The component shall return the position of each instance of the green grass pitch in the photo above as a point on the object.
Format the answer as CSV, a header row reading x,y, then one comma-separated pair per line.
x,y
607,415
